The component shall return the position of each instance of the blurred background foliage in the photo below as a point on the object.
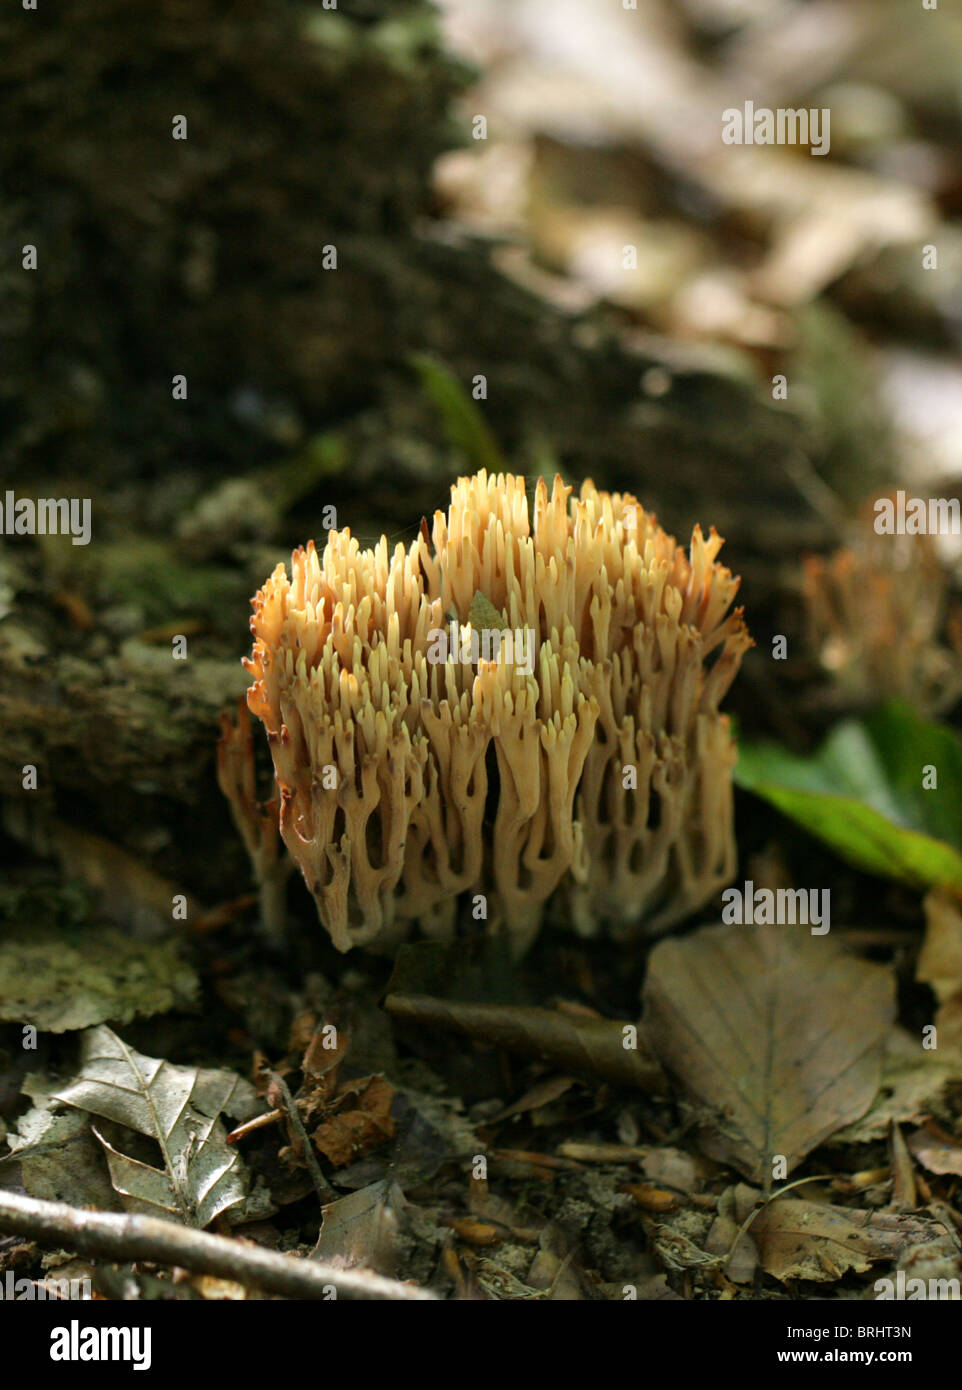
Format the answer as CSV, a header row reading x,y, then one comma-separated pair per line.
x,y
352,128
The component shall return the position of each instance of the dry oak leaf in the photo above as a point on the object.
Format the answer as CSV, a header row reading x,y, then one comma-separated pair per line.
x,y
776,1035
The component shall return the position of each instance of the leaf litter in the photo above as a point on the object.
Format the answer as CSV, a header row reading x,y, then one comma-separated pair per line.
x,y
777,1036
200,1176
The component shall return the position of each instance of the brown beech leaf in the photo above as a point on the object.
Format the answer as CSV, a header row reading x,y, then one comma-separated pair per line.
x,y
914,1081
940,965
940,959
365,1229
729,1237
939,1153
776,1034
810,1240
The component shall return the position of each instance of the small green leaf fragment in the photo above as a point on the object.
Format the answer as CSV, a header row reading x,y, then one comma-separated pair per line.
x,y
483,614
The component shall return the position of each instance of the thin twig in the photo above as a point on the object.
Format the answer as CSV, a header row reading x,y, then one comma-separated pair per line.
x,y
323,1188
130,1238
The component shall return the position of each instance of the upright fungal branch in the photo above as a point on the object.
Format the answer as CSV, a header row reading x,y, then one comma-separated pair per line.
x,y
878,619
573,743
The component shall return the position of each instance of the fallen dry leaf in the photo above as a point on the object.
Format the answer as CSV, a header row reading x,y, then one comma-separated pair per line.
x,y
905,1195
797,1239
592,1046
556,1268
940,964
350,1133
199,1176
364,1229
937,1258
940,959
939,1153
913,1082
672,1168
549,1089
656,1290
346,1117
727,1238
779,1035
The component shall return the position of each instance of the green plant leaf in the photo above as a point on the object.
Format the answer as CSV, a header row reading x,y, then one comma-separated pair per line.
x,y
465,426
862,793
484,614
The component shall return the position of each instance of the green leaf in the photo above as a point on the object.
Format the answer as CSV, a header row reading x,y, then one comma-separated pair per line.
x,y
484,614
323,457
465,426
862,793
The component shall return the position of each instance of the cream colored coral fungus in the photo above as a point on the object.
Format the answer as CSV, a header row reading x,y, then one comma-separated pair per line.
x,y
417,762
878,618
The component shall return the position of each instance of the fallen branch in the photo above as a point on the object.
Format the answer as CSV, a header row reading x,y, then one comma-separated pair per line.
x,y
129,1238
589,1046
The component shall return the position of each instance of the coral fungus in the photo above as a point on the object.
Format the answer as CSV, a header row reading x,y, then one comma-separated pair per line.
x,y
588,756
